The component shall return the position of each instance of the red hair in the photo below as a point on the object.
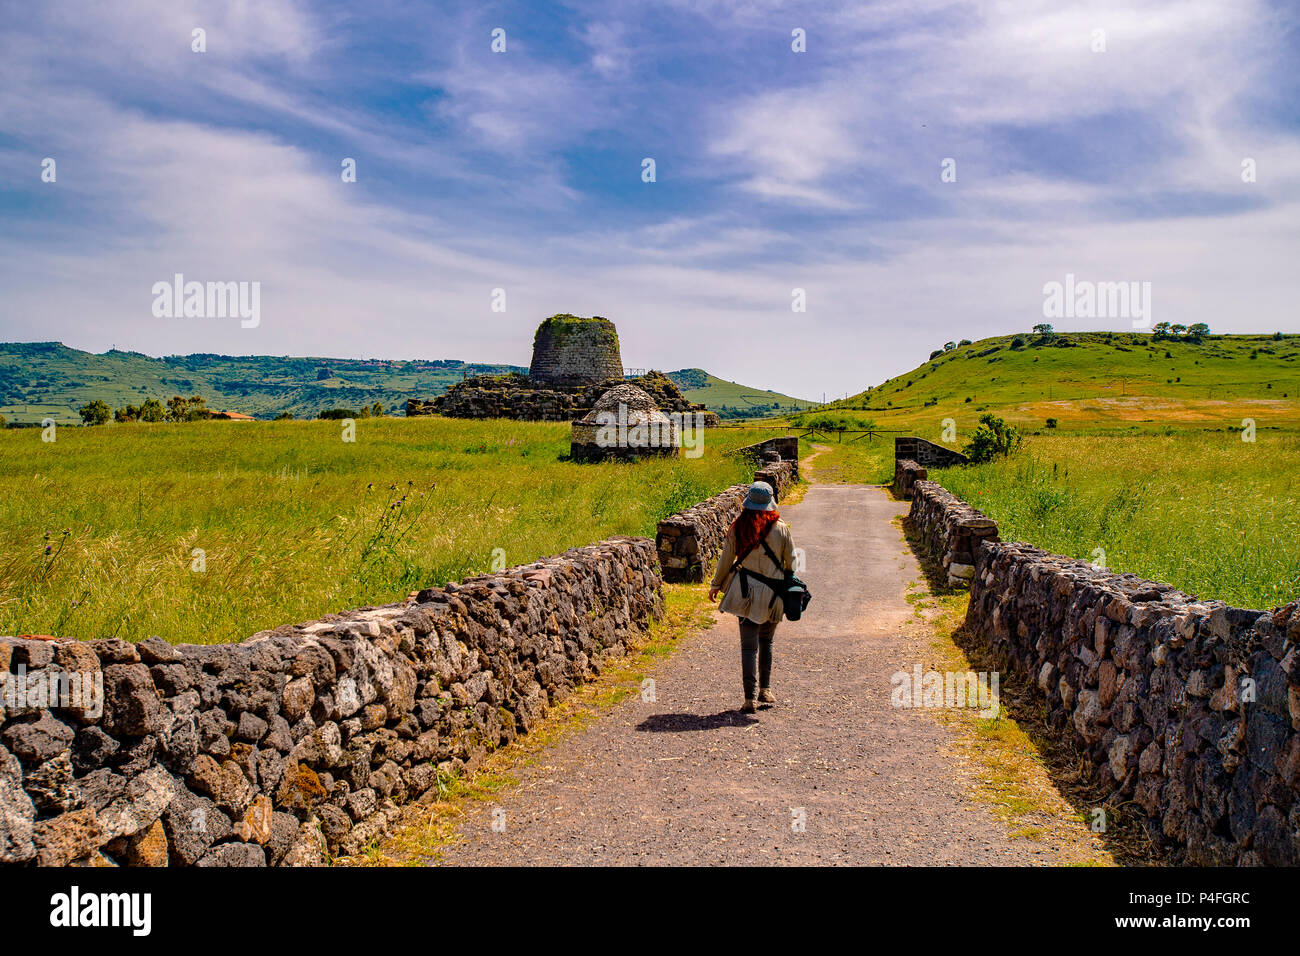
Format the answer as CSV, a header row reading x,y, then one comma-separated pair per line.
x,y
751,527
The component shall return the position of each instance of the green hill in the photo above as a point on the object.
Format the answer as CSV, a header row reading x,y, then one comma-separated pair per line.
x,y
1092,379
39,379
732,400
49,379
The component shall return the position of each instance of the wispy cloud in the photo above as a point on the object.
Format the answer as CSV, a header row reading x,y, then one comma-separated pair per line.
x,y
522,171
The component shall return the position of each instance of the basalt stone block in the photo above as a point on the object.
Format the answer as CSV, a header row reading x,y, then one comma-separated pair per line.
x,y
132,705
235,855
142,801
193,824
113,650
52,785
225,783
17,813
68,838
100,788
157,651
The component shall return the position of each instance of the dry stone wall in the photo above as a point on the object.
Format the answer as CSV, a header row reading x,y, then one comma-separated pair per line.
x,y
951,529
786,448
690,541
926,453
301,741
906,474
1187,711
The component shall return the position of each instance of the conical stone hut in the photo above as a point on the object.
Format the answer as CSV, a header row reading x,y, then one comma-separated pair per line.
x,y
624,423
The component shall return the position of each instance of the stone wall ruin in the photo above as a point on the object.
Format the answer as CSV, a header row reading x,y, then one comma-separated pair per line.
x,y
1186,711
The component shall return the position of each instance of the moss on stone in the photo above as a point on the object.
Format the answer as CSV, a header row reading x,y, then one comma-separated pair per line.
x,y
562,324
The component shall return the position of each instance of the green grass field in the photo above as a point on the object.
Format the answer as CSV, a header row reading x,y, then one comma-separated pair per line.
x,y
1204,511
293,523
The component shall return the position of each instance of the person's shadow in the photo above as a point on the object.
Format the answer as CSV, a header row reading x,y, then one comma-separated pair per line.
x,y
676,723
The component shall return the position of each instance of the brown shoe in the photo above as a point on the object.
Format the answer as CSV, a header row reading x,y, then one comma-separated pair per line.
x,y
748,706
765,696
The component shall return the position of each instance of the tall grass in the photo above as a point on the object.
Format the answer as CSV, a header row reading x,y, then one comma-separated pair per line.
x,y
1204,511
210,531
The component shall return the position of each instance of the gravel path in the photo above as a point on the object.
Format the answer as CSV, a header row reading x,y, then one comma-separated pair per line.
x,y
689,780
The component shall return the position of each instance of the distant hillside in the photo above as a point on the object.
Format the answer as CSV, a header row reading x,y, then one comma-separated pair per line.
x,y
1092,379
49,379
40,379
731,400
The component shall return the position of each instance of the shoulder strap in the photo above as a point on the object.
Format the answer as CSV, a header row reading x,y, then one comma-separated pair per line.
x,y
736,565
771,554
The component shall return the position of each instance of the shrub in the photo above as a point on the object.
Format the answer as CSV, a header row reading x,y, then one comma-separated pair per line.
x,y
337,413
1051,423
1018,342
993,439
187,409
95,413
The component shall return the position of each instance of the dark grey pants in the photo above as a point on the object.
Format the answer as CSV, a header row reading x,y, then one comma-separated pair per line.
x,y
756,654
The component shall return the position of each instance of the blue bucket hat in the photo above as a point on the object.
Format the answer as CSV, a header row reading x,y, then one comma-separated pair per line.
x,y
759,497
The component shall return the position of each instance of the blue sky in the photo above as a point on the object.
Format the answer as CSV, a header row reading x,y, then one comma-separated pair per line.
x,y
521,170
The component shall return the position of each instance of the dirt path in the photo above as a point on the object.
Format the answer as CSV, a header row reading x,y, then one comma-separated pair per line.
x,y
687,779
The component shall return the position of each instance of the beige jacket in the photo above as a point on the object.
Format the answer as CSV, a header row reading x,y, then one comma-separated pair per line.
x,y
758,606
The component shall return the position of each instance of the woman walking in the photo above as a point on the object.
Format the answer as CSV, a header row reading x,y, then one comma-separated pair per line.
x,y
755,558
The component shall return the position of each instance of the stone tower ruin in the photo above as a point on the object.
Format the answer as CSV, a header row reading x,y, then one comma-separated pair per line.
x,y
571,350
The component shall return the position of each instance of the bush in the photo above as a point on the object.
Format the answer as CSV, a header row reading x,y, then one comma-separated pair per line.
x,y
190,409
1018,342
830,421
993,439
337,413
95,413
1051,423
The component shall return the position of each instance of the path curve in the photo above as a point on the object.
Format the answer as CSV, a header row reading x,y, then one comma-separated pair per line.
x,y
689,780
